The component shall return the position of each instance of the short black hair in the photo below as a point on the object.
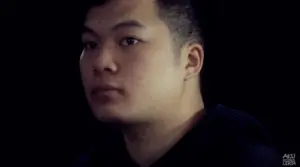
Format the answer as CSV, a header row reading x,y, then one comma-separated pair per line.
x,y
179,16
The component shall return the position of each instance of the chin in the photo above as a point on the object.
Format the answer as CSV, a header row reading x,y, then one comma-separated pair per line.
x,y
112,116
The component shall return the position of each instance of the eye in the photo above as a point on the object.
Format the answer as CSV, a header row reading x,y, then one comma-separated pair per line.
x,y
89,45
129,41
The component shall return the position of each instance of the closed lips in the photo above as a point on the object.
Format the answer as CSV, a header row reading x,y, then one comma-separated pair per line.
x,y
104,89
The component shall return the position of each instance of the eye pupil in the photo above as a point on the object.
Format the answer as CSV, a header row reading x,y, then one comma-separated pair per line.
x,y
90,45
129,41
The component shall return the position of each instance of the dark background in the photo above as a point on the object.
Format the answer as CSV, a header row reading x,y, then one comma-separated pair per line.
x,y
250,65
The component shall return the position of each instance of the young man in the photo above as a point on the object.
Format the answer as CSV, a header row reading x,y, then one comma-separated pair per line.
x,y
140,70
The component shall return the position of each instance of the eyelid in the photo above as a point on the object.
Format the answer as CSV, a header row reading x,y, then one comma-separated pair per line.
x,y
89,38
130,37
85,44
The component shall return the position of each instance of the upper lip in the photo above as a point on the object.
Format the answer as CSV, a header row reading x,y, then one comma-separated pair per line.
x,y
103,87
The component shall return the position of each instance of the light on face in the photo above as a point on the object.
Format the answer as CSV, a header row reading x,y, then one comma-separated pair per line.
x,y
82,53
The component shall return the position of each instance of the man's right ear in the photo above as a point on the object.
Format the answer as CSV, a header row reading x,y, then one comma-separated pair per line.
x,y
194,63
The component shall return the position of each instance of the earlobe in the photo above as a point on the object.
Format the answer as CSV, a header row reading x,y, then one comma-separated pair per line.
x,y
194,60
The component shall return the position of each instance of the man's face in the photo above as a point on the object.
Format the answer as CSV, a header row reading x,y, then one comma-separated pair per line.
x,y
128,67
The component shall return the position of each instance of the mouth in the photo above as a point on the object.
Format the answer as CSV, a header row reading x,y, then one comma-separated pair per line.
x,y
104,93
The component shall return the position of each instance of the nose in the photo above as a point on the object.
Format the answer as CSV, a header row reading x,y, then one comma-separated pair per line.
x,y
104,62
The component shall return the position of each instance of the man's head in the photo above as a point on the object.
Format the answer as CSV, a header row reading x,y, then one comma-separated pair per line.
x,y
138,57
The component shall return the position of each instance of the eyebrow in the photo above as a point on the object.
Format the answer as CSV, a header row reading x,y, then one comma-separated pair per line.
x,y
124,24
89,30
128,24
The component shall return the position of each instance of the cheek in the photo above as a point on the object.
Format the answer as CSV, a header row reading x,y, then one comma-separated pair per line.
x,y
85,72
151,71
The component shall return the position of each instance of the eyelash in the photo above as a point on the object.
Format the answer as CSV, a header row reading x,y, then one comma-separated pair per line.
x,y
90,45
129,38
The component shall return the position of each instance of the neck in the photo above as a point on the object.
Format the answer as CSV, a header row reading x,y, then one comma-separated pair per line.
x,y
147,142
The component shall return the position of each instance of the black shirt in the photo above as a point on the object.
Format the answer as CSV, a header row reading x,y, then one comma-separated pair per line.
x,y
224,137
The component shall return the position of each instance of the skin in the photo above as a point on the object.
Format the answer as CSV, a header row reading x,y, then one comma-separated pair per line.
x,y
158,98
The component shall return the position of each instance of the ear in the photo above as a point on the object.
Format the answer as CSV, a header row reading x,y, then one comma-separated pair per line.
x,y
194,63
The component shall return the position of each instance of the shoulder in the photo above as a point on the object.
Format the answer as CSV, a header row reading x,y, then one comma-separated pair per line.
x,y
238,124
241,138
260,156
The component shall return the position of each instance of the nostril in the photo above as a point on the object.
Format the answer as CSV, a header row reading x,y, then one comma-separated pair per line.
x,y
107,69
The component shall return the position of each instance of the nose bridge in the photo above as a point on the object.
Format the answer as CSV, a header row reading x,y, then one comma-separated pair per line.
x,y
104,60
103,56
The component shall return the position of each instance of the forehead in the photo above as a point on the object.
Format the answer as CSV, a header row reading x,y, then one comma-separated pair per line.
x,y
115,11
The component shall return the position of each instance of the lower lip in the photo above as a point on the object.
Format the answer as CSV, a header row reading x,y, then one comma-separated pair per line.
x,y
104,96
